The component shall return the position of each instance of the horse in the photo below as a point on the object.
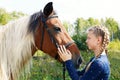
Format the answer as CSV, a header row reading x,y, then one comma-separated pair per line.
x,y
20,39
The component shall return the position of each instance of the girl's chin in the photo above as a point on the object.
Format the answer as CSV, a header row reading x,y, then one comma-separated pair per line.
x,y
89,48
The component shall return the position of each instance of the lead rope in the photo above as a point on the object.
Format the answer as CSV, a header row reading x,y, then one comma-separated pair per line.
x,y
64,68
64,71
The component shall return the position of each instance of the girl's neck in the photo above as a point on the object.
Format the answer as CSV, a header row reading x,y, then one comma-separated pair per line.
x,y
98,53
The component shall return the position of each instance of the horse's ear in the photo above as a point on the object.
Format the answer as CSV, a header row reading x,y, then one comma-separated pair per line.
x,y
48,9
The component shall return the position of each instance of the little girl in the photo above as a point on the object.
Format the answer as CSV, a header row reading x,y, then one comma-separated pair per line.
x,y
98,68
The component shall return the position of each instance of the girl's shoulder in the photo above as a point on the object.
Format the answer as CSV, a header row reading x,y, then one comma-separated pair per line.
x,y
102,58
101,62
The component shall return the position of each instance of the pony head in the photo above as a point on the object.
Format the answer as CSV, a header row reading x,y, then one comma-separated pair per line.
x,y
50,33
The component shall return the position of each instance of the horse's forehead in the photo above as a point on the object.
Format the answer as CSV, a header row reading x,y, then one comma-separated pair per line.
x,y
55,22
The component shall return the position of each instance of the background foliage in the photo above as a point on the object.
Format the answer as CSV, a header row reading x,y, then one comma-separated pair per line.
x,y
5,16
46,68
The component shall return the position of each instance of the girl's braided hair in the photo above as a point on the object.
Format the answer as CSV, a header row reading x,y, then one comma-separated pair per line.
x,y
104,33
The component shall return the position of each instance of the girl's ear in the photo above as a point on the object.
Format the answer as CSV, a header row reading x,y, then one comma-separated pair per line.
x,y
48,9
99,39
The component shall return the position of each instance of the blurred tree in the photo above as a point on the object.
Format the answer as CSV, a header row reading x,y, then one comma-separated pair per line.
x,y
15,15
69,27
80,36
4,16
113,28
93,21
80,24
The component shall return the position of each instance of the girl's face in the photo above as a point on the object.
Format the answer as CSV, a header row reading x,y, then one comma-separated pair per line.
x,y
92,41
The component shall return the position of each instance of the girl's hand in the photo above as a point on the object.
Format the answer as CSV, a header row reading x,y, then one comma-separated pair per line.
x,y
64,53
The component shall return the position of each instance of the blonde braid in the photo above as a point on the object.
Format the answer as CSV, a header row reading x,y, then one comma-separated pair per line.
x,y
104,33
105,39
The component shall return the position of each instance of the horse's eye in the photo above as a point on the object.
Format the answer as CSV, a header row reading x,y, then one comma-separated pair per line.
x,y
57,29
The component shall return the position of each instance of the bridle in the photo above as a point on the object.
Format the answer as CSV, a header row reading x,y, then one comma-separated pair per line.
x,y
45,26
50,34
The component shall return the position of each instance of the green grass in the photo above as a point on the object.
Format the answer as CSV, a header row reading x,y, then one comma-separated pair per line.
x,y
114,58
45,68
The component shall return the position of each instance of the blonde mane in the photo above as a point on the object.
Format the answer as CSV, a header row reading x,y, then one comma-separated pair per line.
x,y
15,48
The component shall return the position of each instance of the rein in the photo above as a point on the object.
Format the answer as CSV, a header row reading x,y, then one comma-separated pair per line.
x,y
45,26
